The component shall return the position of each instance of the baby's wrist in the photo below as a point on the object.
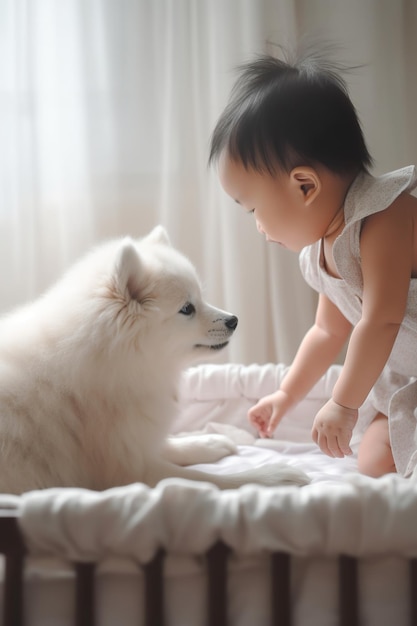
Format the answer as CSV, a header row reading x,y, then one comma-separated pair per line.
x,y
291,399
344,406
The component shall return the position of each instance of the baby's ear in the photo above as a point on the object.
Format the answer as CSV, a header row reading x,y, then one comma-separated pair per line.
x,y
307,181
159,235
129,270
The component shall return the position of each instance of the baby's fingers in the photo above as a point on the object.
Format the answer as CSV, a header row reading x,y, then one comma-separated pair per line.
x,y
334,445
343,444
272,424
325,442
259,422
328,445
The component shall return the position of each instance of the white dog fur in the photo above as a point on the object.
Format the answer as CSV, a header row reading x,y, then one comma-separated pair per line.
x,y
89,375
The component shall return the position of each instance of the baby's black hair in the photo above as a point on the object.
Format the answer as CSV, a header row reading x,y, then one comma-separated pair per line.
x,y
282,115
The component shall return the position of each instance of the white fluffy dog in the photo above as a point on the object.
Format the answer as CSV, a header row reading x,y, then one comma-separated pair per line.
x,y
89,374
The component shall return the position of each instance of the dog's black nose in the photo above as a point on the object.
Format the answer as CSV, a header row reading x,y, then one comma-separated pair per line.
x,y
231,322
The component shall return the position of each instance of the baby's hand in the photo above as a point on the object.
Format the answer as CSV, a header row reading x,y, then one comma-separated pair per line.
x,y
266,414
332,429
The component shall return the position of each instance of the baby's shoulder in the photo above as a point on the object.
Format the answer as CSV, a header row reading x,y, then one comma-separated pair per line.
x,y
402,209
390,232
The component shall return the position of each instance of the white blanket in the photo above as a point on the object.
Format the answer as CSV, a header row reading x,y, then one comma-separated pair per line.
x,y
340,512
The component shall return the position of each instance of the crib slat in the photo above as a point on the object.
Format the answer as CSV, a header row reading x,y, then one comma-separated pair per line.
x,y
217,584
154,590
348,591
13,591
84,594
12,546
280,589
413,592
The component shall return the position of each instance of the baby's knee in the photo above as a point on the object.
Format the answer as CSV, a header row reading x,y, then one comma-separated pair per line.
x,y
376,465
375,455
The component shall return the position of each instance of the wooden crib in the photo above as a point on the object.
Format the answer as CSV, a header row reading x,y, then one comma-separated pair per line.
x,y
13,547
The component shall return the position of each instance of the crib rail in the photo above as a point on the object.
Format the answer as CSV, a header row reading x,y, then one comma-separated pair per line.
x,y
12,546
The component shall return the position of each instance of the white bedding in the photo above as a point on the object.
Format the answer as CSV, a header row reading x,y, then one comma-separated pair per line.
x,y
339,512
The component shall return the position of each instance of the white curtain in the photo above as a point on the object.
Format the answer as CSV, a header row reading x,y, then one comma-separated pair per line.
x,y
106,111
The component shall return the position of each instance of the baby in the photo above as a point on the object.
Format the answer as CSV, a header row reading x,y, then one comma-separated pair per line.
x,y
290,150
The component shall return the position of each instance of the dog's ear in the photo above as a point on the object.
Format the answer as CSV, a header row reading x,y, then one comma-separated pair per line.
x,y
128,269
159,235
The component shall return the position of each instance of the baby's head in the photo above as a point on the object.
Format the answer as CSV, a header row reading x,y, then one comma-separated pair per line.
x,y
289,122
283,115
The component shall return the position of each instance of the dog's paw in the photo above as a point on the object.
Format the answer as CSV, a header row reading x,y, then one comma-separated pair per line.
x,y
193,449
214,447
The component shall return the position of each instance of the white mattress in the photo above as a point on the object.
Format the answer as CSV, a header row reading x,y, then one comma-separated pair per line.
x,y
339,511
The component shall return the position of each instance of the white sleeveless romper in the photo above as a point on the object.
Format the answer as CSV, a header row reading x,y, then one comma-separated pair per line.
x,y
395,392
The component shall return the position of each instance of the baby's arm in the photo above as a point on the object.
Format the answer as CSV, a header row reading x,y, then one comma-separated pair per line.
x,y
318,350
386,257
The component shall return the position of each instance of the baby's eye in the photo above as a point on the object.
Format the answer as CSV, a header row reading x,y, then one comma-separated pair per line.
x,y
187,309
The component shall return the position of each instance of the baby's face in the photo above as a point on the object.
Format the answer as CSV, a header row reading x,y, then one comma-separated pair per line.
x,y
278,203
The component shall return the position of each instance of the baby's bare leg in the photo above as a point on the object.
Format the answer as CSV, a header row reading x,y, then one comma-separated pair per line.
x,y
375,456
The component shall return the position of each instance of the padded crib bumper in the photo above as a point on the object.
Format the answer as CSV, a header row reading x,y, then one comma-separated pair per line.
x,y
361,516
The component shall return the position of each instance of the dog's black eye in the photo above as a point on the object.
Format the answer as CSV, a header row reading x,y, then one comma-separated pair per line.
x,y
187,309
